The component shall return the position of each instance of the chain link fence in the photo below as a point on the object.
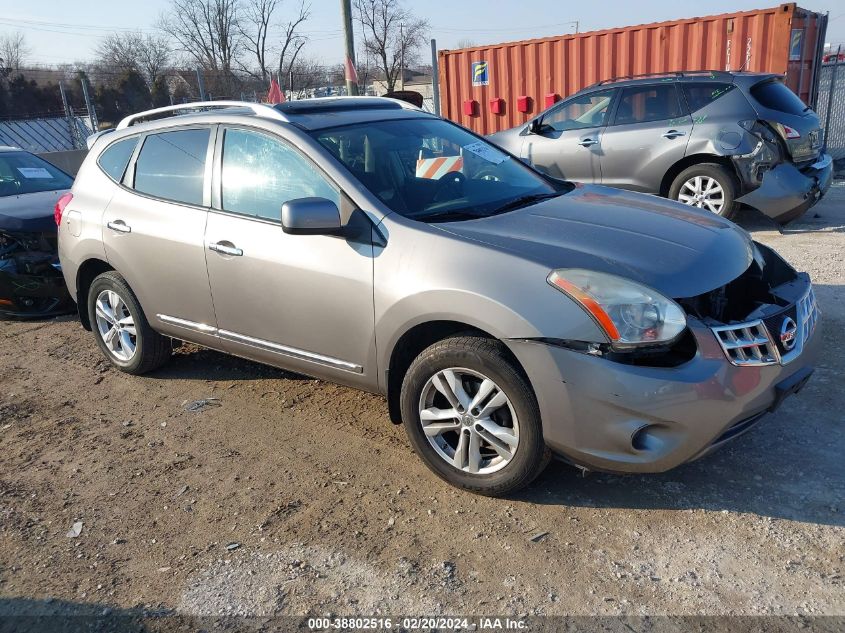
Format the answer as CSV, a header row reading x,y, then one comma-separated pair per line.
x,y
53,134
831,107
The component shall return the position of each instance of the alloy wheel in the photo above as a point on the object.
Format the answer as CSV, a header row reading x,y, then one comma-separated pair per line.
x,y
469,420
116,325
703,192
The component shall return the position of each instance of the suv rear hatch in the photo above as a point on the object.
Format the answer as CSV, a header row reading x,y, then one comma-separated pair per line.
x,y
795,121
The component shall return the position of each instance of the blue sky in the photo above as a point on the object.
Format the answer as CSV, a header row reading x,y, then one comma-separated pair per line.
x,y
60,31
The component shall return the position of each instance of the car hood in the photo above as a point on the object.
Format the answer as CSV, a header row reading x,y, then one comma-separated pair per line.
x,y
29,212
677,250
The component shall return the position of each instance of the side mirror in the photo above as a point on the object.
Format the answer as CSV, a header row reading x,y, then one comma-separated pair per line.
x,y
311,216
534,126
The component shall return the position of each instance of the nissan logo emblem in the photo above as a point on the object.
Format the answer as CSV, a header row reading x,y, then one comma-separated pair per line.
x,y
788,330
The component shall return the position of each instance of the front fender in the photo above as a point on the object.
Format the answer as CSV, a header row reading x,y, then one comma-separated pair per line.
x,y
424,275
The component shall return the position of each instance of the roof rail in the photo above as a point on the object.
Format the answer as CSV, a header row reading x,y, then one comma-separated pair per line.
x,y
259,109
677,73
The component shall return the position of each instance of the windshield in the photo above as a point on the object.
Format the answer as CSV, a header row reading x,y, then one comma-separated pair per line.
x,y
431,170
21,172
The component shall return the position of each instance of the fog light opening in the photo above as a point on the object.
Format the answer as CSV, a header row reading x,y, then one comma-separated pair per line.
x,y
644,438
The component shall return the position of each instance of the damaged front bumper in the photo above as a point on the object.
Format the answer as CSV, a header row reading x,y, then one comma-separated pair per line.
x,y
635,418
31,282
786,192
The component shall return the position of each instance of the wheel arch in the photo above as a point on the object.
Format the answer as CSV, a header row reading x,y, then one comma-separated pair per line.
x,y
695,159
412,342
85,275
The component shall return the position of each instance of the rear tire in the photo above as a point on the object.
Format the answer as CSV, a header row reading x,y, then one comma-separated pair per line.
x,y
121,328
709,186
503,447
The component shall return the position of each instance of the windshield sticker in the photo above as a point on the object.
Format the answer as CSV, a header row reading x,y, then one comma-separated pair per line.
x,y
34,172
485,151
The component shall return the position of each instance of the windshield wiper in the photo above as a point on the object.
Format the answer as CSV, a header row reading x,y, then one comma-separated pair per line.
x,y
441,216
524,201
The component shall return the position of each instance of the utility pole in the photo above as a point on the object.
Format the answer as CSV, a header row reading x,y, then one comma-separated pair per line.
x,y
401,56
92,113
201,84
435,78
350,74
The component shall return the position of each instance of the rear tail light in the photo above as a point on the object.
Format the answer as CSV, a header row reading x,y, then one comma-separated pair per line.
x,y
789,132
60,207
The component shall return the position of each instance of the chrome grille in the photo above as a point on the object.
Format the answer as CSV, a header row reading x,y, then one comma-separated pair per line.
x,y
751,343
809,312
747,343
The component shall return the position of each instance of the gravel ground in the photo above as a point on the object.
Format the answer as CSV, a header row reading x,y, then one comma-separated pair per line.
x,y
293,496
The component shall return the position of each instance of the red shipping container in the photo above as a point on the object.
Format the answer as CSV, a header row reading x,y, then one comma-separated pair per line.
x,y
784,39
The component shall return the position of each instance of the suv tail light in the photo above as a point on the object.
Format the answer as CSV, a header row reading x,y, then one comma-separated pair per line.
x,y
60,207
788,132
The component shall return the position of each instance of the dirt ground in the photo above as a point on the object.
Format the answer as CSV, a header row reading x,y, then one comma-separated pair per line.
x,y
294,496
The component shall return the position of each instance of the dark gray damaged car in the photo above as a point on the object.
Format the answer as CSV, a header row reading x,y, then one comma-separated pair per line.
x,y
714,140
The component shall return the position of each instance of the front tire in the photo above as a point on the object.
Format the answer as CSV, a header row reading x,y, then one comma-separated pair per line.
x,y
707,186
121,327
472,417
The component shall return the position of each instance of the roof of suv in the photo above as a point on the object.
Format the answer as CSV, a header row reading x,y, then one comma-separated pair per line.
x,y
309,114
739,77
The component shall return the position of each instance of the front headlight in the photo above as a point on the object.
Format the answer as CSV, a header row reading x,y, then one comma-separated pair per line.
x,y
629,313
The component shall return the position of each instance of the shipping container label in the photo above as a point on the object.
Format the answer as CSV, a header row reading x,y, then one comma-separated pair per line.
x,y
795,44
480,76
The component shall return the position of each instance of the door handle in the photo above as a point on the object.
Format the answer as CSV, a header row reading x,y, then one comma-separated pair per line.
x,y
673,134
226,249
120,226
586,142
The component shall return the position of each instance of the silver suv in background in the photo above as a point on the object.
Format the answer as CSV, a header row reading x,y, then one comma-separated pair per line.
x,y
506,315
707,139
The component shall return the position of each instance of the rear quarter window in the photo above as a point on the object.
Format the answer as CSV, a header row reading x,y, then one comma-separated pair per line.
x,y
699,95
116,157
774,95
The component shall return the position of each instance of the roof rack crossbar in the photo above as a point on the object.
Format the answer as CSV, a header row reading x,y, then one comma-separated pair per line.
x,y
259,109
675,73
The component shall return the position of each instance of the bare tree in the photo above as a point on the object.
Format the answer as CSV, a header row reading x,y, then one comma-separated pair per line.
x,y
255,29
465,43
306,74
155,57
292,41
133,51
207,31
391,33
13,51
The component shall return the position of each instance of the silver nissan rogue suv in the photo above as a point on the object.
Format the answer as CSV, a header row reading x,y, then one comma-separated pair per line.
x,y
506,315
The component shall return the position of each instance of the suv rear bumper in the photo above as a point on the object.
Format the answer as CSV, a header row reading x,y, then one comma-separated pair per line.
x,y
786,192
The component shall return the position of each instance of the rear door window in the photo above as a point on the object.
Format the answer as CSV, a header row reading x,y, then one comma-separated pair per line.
x,y
640,104
114,160
171,165
699,95
774,95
